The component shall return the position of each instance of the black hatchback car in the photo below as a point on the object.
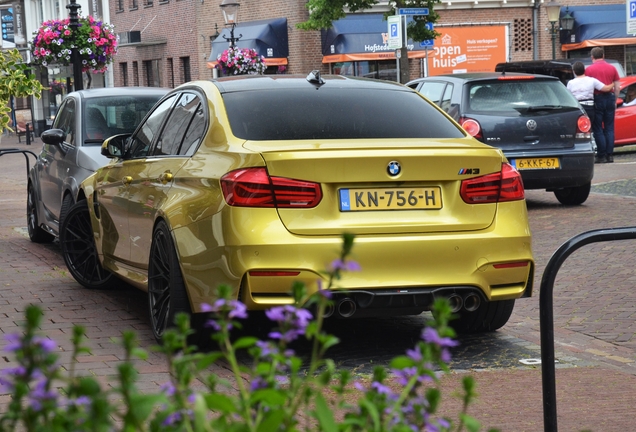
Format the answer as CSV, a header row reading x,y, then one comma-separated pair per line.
x,y
541,128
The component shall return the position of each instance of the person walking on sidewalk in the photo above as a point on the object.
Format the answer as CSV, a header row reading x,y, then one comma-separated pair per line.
x,y
582,87
604,105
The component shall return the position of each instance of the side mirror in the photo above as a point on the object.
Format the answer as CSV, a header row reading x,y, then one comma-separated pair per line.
x,y
53,137
114,146
619,102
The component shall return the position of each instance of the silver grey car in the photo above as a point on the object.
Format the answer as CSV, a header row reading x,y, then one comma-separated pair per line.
x,y
71,149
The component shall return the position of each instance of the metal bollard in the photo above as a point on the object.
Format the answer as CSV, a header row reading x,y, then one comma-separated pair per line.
x,y
546,312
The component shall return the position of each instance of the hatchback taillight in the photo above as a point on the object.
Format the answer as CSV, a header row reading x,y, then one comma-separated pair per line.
x,y
505,185
584,124
472,127
253,187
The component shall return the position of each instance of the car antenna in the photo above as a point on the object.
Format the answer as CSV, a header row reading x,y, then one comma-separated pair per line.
x,y
315,78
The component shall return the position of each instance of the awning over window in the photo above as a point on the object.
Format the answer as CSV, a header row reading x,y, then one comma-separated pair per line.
x,y
268,37
597,25
359,37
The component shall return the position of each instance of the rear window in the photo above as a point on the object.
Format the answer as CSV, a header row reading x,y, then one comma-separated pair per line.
x,y
519,96
334,113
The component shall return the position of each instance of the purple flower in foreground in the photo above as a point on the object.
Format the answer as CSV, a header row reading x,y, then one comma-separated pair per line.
x,y
430,335
168,389
415,354
338,264
292,322
46,344
381,388
172,419
14,342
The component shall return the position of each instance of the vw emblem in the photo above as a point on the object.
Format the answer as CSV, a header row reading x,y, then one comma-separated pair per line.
x,y
531,125
394,168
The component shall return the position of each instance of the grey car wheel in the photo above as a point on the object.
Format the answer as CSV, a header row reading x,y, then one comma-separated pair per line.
x,y
167,294
36,234
79,252
574,195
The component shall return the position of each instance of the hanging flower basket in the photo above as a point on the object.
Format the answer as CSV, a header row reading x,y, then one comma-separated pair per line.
x,y
240,61
96,43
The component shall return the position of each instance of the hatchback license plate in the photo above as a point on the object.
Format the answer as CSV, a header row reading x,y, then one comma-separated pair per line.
x,y
390,199
537,163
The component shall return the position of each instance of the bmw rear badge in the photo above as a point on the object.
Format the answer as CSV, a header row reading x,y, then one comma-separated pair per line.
x,y
531,125
394,168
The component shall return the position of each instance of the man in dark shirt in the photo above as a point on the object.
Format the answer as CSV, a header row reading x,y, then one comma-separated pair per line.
x,y
604,105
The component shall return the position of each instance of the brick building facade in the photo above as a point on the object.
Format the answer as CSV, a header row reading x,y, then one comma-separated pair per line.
x,y
176,35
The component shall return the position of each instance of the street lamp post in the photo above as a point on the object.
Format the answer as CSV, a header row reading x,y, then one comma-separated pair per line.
x,y
553,10
78,81
230,15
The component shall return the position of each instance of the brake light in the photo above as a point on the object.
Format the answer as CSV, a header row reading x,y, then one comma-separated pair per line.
x,y
515,77
472,127
253,187
511,265
505,185
584,124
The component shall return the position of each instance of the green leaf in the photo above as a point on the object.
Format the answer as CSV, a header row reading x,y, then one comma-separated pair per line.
x,y
271,421
245,342
220,402
270,396
402,362
324,415
143,405
372,410
470,422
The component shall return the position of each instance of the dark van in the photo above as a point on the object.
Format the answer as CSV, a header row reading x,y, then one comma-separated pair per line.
x,y
561,68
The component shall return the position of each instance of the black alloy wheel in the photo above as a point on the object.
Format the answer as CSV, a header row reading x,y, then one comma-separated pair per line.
x,y
490,316
36,234
167,294
574,195
79,252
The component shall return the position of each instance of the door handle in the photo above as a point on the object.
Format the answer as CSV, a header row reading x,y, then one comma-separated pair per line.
x,y
127,180
166,177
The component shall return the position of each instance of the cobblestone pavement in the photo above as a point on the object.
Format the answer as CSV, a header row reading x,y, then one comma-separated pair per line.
x,y
594,298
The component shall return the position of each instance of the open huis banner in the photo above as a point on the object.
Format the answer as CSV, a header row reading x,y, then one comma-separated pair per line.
x,y
468,49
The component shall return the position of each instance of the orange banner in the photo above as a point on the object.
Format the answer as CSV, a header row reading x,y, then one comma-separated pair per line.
x,y
468,49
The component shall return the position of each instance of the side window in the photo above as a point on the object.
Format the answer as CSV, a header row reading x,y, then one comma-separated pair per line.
x,y
433,90
65,120
140,143
176,126
195,133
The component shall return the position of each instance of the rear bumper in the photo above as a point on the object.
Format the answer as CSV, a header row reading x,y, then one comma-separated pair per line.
x,y
577,169
401,269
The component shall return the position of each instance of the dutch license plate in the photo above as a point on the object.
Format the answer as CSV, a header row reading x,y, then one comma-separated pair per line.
x,y
537,163
390,199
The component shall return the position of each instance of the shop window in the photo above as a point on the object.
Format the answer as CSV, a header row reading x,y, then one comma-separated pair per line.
x,y
153,77
123,69
186,74
133,4
136,74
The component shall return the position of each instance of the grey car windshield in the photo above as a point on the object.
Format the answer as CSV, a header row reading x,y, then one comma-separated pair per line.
x,y
528,95
108,116
337,113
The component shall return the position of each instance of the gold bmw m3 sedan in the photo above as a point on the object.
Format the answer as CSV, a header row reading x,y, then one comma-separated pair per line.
x,y
251,181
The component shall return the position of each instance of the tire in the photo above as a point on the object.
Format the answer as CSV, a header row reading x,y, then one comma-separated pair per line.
x,y
36,234
574,195
167,294
79,252
489,317
67,202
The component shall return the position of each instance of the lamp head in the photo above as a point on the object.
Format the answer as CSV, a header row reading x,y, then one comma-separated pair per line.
x,y
230,11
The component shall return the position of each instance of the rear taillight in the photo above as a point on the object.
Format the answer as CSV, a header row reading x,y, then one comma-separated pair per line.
x,y
584,125
253,187
505,185
471,127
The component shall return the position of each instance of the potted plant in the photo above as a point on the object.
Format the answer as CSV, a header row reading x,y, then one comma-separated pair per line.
x,y
240,61
95,41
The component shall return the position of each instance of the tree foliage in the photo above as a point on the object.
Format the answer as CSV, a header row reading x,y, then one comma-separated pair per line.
x,y
323,12
15,80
